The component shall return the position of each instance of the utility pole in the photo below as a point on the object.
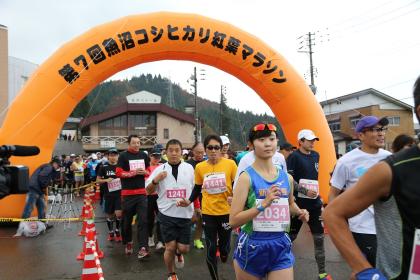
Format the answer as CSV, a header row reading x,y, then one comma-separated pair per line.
x,y
309,39
197,123
195,106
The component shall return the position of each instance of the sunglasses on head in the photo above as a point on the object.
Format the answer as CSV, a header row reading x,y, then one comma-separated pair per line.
x,y
211,148
262,126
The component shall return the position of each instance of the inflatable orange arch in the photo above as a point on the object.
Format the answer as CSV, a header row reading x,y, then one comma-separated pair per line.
x,y
48,98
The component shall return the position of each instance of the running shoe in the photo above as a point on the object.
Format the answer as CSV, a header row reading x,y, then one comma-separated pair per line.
x,y
198,244
325,276
111,236
151,242
129,248
172,276
179,261
143,253
223,259
160,246
118,237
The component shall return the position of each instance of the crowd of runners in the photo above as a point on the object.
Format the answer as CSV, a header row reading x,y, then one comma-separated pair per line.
x,y
263,195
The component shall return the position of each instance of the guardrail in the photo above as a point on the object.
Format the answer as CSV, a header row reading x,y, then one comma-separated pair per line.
x,y
113,141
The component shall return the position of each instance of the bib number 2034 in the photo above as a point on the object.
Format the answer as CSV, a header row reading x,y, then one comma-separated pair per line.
x,y
275,218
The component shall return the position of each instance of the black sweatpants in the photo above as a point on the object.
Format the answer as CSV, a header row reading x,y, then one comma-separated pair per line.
x,y
134,205
152,211
216,228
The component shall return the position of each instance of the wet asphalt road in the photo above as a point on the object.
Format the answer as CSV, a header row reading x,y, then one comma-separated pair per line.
x,y
53,256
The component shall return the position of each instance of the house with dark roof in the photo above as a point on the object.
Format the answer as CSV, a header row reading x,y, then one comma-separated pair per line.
x,y
142,114
344,112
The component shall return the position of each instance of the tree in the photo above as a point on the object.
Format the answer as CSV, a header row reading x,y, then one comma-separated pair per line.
x,y
224,119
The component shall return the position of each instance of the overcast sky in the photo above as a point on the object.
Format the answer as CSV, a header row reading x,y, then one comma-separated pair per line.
x,y
359,44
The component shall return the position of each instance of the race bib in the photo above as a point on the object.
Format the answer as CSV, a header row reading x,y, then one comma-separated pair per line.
x,y
114,185
415,258
136,164
309,185
176,193
215,183
275,218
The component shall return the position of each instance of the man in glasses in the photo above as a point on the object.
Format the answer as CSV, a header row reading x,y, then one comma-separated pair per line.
x,y
392,186
302,164
215,176
350,167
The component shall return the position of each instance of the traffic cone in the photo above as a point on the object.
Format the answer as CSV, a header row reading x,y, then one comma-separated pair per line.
x,y
91,236
97,193
91,266
82,254
86,221
90,226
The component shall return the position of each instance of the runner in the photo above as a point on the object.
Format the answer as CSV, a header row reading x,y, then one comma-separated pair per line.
x,y
173,181
302,164
225,146
152,207
393,187
112,185
261,203
286,149
91,166
248,159
77,168
350,167
215,176
198,156
131,169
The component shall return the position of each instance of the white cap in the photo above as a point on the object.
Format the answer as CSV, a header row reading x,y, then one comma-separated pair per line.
x,y
307,134
225,140
185,152
94,156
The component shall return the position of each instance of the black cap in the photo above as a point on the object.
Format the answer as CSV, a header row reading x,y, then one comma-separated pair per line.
x,y
158,147
156,151
56,160
286,146
113,151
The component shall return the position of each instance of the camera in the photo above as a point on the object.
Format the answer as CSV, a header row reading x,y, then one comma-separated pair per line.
x,y
14,179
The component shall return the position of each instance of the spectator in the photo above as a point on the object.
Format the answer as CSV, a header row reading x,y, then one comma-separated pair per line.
x,y
402,141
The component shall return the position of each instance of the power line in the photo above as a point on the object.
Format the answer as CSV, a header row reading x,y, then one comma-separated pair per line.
x,y
341,33
367,21
359,15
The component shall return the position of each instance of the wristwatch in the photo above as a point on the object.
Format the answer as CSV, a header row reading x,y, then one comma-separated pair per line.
x,y
260,207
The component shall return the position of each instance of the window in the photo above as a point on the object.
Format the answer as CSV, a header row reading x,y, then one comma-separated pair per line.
x,y
166,133
116,126
394,121
334,126
354,121
142,124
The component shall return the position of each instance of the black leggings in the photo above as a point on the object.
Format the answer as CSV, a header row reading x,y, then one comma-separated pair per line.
x,y
367,244
216,228
152,211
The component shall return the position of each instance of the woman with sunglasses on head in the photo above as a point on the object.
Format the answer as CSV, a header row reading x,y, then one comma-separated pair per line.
x,y
215,177
262,204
